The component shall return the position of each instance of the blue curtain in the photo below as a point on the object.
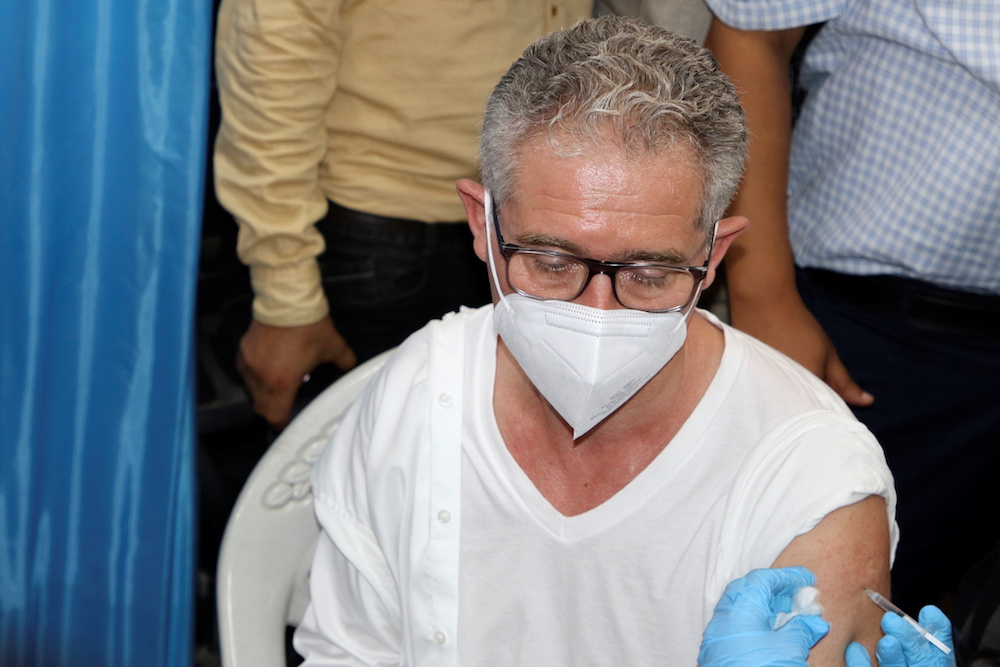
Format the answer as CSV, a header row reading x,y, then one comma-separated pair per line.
x,y
102,143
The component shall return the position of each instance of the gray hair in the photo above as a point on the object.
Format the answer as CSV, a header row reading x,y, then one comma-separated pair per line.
x,y
647,88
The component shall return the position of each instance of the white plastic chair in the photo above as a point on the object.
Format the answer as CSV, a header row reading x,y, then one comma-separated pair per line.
x,y
271,535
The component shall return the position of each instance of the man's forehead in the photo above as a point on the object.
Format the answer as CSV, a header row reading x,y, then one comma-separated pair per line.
x,y
552,153
605,176
634,211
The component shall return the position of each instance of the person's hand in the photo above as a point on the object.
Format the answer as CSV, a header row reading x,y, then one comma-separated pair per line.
x,y
790,328
274,360
902,645
741,632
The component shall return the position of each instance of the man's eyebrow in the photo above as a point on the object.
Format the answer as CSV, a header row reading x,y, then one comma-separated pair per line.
x,y
549,242
668,256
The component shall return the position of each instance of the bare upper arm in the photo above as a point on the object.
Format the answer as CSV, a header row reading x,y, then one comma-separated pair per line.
x,y
848,551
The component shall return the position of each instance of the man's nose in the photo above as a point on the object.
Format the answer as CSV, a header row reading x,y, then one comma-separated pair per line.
x,y
599,293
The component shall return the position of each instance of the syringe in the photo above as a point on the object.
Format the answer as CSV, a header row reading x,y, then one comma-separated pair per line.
x,y
883,602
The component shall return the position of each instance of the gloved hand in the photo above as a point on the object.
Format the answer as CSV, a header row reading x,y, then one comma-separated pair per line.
x,y
741,632
903,646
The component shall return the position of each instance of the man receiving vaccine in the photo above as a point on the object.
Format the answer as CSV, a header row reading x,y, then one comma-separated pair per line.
x,y
572,475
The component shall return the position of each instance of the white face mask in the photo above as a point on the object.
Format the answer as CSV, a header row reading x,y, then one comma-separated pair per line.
x,y
585,361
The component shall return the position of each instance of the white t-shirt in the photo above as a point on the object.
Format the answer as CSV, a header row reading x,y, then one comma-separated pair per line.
x,y
768,452
438,550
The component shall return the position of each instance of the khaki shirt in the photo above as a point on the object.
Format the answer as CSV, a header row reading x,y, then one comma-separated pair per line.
x,y
374,104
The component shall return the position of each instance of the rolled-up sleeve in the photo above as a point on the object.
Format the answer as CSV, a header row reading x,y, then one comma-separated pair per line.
x,y
812,465
276,64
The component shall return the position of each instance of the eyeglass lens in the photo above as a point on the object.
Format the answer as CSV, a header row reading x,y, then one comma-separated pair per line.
x,y
551,276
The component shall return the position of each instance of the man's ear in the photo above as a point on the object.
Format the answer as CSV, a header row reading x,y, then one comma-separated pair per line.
x,y
726,232
473,196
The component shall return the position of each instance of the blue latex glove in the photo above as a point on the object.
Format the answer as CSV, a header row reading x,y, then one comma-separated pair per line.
x,y
903,646
741,632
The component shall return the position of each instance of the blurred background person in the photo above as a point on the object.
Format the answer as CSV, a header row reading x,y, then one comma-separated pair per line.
x,y
344,128
887,193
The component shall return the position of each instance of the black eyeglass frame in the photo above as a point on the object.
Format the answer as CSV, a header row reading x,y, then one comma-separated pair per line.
x,y
598,266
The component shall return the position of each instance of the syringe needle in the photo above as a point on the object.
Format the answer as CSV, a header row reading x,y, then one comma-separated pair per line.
x,y
885,604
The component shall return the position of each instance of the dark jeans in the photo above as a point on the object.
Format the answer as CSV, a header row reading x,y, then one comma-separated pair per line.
x,y
385,278
936,414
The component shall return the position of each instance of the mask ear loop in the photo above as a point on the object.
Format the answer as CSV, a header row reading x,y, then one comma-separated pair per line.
x,y
488,208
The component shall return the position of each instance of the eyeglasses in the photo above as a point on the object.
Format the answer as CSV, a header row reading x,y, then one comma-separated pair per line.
x,y
547,274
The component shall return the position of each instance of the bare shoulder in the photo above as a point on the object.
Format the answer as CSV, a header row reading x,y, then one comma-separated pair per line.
x,y
848,551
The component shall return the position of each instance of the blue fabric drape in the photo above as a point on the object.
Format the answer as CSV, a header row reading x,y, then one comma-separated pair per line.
x,y
102,142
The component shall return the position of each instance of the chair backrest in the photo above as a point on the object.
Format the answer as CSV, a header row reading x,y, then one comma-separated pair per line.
x,y
271,535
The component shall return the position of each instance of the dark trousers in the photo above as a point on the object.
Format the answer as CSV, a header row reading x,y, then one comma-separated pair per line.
x,y
931,358
384,278
387,277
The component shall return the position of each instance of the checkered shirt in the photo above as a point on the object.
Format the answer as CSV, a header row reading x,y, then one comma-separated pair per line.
x,y
895,164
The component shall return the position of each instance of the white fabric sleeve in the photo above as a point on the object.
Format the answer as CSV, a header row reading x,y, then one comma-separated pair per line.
x,y
367,485
354,615
350,620
776,14
810,466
